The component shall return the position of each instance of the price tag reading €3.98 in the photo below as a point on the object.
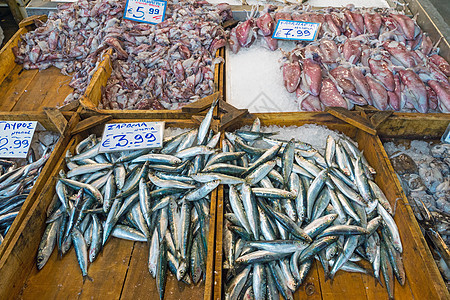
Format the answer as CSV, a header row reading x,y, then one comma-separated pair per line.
x,y
132,136
147,11
15,138
296,30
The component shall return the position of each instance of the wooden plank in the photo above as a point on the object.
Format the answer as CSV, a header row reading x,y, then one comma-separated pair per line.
x,y
93,92
61,278
218,260
352,118
41,117
421,270
139,284
199,105
57,118
72,106
311,289
7,59
414,125
31,19
48,88
211,244
379,117
14,86
90,122
345,285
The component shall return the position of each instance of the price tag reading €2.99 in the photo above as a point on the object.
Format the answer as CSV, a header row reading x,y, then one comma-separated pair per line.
x,y
147,11
132,136
15,138
296,30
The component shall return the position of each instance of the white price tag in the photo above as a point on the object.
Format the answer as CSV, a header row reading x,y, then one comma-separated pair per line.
x,y
132,136
15,138
446,137
147,11
296,30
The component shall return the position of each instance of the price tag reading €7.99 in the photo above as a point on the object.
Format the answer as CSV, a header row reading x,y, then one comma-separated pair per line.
x,y
296,30
15,138
132,136
147,11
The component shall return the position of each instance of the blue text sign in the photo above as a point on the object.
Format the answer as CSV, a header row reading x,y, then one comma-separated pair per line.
x,y
15,138
147,11
132,136
296,30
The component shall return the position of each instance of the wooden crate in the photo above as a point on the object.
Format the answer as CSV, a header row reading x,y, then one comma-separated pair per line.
x,y
45,121
414,125
423,280
29,90
120,271
93,94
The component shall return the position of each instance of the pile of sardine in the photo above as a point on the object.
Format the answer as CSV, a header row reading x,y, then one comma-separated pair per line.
x,y
424,171
289,205
143,195
154,66
18,176
361,56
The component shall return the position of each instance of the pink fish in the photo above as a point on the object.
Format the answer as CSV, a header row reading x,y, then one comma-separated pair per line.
x,y
311,77
416,88
380,71
378,93
443,65
266,24
291,76
352,51
329,95
442,91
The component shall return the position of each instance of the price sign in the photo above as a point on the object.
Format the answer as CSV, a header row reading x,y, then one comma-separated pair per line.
x,y
147,11
15,138
296,30
132,136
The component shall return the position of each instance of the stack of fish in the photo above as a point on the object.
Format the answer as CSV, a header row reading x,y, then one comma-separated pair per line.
x,y
16,182
288,205
154,66
141,195
361,56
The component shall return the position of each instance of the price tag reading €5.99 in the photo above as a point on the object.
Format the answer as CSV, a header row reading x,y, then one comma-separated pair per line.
x,y
132,136
296,30
15,138
147,11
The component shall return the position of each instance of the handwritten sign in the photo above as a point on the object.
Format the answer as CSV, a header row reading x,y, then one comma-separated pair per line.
x,y
446,137
15,138
132,136
146,11
296,30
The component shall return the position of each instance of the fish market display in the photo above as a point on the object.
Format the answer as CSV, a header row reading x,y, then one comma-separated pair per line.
x,y
361,56
144,195
153,66
424,171
18,176
288,204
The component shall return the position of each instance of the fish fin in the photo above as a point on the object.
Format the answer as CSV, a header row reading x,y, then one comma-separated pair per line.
x,y
88,277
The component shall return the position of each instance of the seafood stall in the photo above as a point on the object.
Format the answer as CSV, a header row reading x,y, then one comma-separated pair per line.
x,y
361,56
271,179
125,265
23,179
417,262
29,90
